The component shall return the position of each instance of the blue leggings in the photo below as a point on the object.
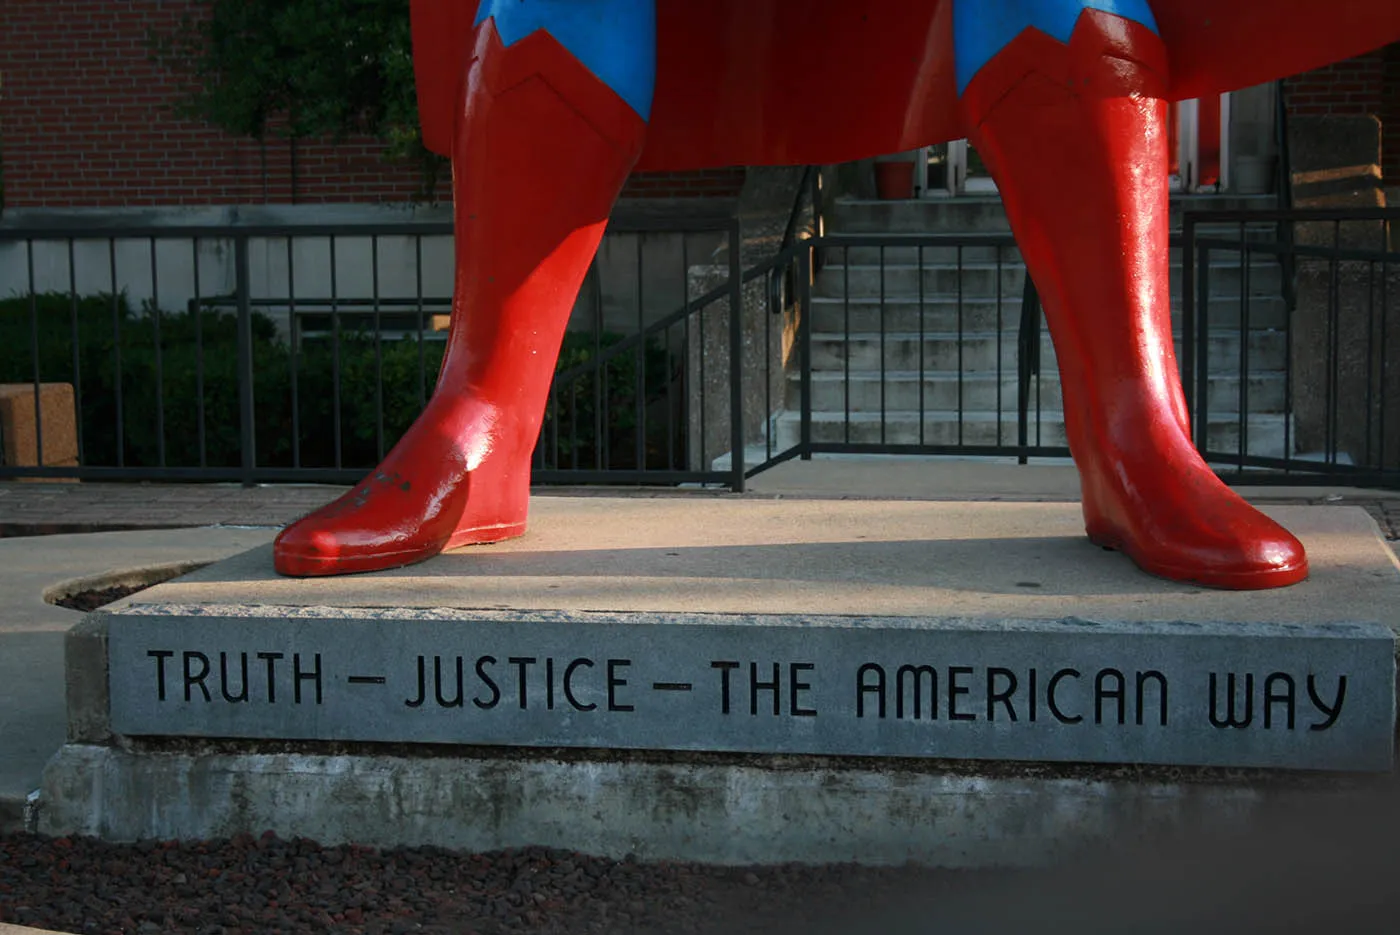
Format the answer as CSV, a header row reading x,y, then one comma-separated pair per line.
x,y
616,39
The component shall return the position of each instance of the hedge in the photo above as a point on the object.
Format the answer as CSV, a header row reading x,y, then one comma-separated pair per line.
x,y
109,329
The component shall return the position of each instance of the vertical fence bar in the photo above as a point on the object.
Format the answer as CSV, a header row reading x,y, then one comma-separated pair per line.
x,y
1370,355
1334,327
1385,346
294,350
884,379
1244,351
998,346
600,374
1202,312
76,344
160,369
846,342
804,324
246,415
923,338
335,358
378,350
200,429
736,361
774,284
1188,316
117,351
962,365
422,339
639,428
34,357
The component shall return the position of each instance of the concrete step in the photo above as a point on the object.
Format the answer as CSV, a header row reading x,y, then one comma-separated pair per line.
x,y
991,248
1229,277
988,215
981,350
1265,431
943,312
942,391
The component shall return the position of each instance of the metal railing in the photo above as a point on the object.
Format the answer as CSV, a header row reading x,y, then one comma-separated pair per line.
x,y
302,352
1327,369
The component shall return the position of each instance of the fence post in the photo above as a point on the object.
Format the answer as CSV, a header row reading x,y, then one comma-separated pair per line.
x,y
736,361
804,332
1188,314
247,440
1202,355
1027,363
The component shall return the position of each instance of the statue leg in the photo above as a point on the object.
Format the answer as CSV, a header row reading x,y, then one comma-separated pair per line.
x,y
551,119
1071,121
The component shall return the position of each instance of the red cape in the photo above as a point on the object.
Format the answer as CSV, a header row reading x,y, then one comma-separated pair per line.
x,y
791,82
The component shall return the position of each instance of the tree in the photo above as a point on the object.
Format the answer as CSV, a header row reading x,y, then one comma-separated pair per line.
x,y
301,68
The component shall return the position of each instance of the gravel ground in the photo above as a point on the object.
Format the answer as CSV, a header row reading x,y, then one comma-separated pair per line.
x,y
248,885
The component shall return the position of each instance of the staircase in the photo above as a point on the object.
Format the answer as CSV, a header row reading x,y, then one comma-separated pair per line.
x,y
918,346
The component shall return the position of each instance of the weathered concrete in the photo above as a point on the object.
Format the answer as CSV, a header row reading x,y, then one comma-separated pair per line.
x,y
862,557
32,630
1070,690
729,812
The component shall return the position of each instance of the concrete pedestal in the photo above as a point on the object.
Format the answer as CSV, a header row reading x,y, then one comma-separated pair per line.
x,y
737,681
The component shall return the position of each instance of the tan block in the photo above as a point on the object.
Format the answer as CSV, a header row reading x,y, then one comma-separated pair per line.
x,y
19,442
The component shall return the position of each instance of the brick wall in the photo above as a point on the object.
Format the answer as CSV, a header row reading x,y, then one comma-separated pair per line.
x,y
1369,84
86,121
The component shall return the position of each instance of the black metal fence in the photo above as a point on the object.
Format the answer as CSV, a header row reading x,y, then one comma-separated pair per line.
x,y
1310,331
301,353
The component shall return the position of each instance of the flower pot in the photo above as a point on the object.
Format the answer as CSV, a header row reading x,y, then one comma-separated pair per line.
x,y
894,180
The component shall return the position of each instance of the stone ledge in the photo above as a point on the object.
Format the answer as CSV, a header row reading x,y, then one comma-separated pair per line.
x,y
725,813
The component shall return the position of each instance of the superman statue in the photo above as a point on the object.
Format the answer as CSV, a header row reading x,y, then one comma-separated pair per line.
x,y
1065,100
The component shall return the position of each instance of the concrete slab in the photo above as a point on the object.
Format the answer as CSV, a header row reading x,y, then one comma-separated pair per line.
x,y
32,710
981,563
862,557
724,811
938,478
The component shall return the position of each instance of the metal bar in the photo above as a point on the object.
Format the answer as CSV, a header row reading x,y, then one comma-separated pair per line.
x,y
335,358
640,378
736,362
600,374
76,346
198,312
1370,353
160,369
846,341
293,350
246,416
1203,350
768,375
884,380
1384,347
117,352
1188,316
378,352
962,363
1000,333
1244,350
923,338
34,357
1334,327
418,299
804,325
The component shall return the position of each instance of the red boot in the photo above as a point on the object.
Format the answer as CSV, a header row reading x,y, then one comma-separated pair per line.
x,y
525,235
1076,138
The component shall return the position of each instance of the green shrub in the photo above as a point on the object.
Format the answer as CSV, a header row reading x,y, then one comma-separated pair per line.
x,y
197,374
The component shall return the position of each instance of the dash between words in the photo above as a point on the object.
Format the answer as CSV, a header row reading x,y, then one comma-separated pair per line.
x,y
908,691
